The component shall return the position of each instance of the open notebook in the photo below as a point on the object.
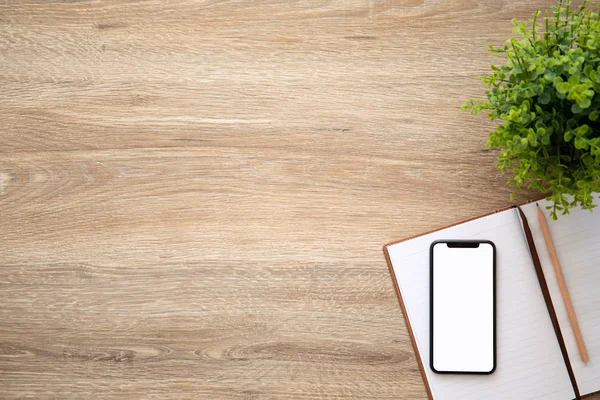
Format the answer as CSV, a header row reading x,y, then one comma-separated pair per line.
x,y
530,364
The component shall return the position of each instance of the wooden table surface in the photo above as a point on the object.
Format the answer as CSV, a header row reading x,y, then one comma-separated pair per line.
x,y
194,194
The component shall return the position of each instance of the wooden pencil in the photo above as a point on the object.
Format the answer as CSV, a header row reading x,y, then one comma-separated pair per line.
x,y
562,285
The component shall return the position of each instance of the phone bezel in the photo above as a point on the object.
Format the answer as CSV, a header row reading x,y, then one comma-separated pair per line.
x,y
461,243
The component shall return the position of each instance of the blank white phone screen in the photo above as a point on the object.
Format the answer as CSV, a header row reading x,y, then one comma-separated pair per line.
x,y
462,331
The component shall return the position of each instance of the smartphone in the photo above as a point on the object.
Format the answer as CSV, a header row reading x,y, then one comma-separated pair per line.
x,y
463,306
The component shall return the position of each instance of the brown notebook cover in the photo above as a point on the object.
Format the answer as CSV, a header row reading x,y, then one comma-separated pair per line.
x,y
399,294
543,287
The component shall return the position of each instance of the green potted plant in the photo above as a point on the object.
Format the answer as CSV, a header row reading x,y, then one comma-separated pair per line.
x,y
546,95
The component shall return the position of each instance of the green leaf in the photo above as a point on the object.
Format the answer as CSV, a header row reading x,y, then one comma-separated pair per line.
x,y
586,103
568,136
582,130
546,140
562,87
546,98
580,143
573,80
541,132
532,138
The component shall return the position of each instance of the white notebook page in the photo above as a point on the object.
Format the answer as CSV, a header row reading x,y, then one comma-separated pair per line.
x,y
529,362
576,238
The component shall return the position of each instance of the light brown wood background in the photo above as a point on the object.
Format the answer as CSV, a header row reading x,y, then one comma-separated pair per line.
x,y
194,194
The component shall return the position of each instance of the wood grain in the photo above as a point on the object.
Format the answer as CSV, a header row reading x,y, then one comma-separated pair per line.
x,y
194,194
